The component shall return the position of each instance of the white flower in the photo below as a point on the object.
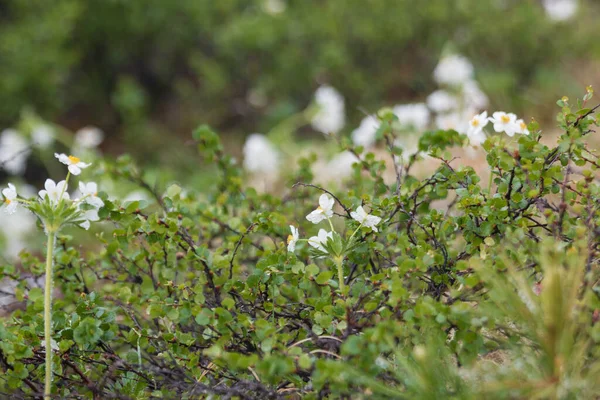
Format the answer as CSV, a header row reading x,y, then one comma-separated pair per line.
x,y
14,151
74,163
274,7
453,70
318,241
260,156
87,216
137,195
340,166
441,101
85,224
477,124
42,136
452,121
89,137
54,191
89,192
560,10
15,228
474,96
413,115
521,127
330,117
10,198
366,132
292,239
504,122
409,145
324,211
257,97
370,221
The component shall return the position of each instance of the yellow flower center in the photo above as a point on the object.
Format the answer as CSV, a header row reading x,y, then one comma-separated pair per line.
x,y
289,239
475,122
74,160
505,119
319,209
523,125
7,201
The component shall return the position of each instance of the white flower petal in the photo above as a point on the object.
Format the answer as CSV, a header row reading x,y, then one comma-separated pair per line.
x,y
74,169
85,225
316,216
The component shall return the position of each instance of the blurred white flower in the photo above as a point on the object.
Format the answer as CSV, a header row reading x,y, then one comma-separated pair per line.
x,y
441,101
27,190
504,122
474,96
521,127
340,166
10,199
560,10
137,195
54,191
324,211
366,132
292,239
370,221
256,97
89,137
42,136
15,229
330,117
454,121
260,156
274,7
318,241
409,145
14,151
413,115
453,70
74,163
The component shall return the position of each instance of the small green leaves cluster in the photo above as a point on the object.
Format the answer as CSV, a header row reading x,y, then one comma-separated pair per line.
x,y
471,286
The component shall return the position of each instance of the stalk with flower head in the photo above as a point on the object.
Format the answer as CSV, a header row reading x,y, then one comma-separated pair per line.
x,y
331,243
55,209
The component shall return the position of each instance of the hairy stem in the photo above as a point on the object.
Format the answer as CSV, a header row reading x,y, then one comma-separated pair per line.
x,y
339,261
48,311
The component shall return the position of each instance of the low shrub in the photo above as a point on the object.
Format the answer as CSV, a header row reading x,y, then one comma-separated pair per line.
x,y
454,285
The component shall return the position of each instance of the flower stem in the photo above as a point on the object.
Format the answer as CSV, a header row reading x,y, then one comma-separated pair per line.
x,y
354,233
330,224
48,311
60,199
339,261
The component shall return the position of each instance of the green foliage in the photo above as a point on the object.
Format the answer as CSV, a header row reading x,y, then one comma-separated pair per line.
x,y
121,61
195,293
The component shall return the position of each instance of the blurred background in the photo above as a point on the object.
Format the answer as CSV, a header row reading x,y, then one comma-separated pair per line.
x,y
137,76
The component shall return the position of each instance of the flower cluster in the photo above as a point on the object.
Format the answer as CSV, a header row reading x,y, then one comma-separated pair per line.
x,y
324,212
502,122
330,243
54,205
447,108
